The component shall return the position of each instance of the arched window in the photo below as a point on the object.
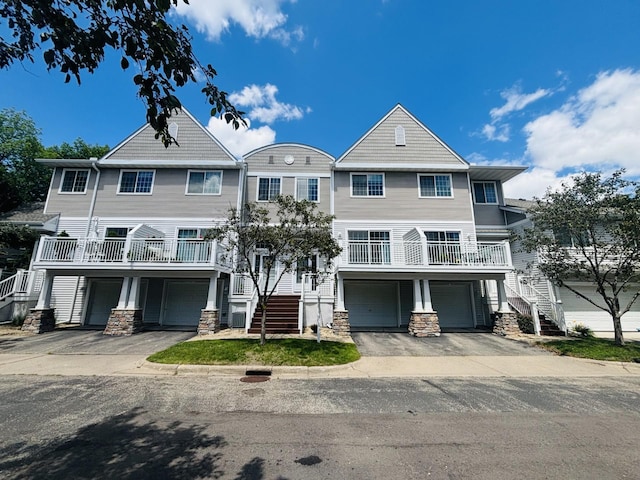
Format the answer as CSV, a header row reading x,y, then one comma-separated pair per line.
x,y
400,137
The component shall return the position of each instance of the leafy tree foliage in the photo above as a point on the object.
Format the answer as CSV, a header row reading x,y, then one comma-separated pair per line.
x,y
282,231
78,149
74,35
590,231
16,243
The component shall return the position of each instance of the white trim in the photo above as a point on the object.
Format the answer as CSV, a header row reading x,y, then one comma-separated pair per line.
x,y
296,145
268,193
410,167
384,185
306,177
137,170
434,175
495,190
86,185
413,223
171,163
49,192
190,171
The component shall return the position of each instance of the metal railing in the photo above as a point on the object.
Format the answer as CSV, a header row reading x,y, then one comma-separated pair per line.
x,y
147,250
545,305
23,281
415,253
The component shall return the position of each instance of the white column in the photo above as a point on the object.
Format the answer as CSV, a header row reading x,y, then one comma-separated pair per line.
x,y
428,307
124,293
340,293
503,304
417,296
213,292
44,299
134,294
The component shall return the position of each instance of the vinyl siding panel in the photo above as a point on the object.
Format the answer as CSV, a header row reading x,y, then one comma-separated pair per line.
x,y
194,144
74,226
168,196
488,215
379,146
288,187
70,204
401,201
318,162
168,226
399,229
62,297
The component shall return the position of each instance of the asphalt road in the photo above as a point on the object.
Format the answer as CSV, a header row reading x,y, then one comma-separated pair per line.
x,y
198,427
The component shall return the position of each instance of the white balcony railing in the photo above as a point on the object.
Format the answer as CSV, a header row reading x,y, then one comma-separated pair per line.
x,y
117,251
413,253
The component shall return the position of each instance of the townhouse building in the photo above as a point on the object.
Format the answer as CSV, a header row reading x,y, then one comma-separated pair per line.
x,y
424,234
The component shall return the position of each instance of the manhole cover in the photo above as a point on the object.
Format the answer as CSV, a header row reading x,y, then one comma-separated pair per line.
x,y
254,379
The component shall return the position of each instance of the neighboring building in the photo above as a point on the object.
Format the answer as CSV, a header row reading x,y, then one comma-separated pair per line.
x,y
424,233
559,304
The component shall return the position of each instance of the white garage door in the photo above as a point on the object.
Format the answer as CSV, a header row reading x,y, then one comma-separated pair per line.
x,y
371,304
103,297
183,302
452,301
578,310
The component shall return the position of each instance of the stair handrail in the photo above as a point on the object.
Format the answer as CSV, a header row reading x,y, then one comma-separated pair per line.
x,y
8,286
251,305
551,309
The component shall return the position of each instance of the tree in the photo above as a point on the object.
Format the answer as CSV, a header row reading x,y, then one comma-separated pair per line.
x,y
284,232
589,231
16,244
78,149
74,35
21,178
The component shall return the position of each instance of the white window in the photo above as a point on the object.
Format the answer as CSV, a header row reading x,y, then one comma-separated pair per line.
x,y
434,186
369,246
204,182
485,192
307,189
74,181
367,185
136,181
268,189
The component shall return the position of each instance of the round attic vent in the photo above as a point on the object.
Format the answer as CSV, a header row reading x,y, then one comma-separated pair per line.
x,y
288,159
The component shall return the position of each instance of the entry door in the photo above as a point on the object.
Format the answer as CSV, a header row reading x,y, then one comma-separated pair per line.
x,y
305,265
259,266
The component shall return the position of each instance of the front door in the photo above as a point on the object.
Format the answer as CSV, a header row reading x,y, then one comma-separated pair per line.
x,y
260,265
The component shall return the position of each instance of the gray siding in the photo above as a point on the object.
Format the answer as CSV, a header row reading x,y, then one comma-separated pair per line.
x,y
318,162
401,201
379,146
69,204
488,215
168,198
194,144
288,187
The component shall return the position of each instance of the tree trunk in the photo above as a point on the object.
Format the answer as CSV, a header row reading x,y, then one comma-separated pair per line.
x,y
617,329
263,325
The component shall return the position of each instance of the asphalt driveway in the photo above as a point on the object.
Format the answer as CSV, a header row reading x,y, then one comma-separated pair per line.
x,y
69,341
387,344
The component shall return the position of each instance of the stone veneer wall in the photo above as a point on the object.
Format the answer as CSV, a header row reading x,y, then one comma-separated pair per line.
x,y
424,324
124,322
209,322
506,323
39,321
341,326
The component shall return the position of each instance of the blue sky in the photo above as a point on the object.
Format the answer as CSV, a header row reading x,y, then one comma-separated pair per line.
x,y
554,85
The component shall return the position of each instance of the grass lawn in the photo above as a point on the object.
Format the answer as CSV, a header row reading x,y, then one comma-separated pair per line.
x,y
595,348
287,351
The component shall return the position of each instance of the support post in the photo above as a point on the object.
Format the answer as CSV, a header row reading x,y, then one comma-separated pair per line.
x,y
42,319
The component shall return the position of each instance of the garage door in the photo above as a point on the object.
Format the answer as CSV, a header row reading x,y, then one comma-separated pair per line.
x,y
103,297
452,301
371,304
183,302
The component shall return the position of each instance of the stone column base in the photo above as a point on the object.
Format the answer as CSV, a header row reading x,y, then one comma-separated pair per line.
x,y
424,324
209,322
124,322
506,323
39,321
341,326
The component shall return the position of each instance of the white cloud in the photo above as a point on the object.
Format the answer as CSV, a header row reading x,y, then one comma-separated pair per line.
x,y
243,140
533,183
499,133
595,129
263,106
258,18
516,101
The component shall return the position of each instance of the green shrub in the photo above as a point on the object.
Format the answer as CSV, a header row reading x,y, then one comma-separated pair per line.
x,y
525,322
581,330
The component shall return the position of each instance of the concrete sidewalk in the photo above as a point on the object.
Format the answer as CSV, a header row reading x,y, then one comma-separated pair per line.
x,y
366,367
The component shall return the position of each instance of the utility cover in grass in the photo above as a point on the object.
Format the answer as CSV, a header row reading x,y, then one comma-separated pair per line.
x,y
286,351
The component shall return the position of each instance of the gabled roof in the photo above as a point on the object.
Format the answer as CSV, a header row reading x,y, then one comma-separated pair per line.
x,y
288,144
423,148
31,215
195,145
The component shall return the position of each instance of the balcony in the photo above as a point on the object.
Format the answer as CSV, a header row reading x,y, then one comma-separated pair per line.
x,y
56,252
420,255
